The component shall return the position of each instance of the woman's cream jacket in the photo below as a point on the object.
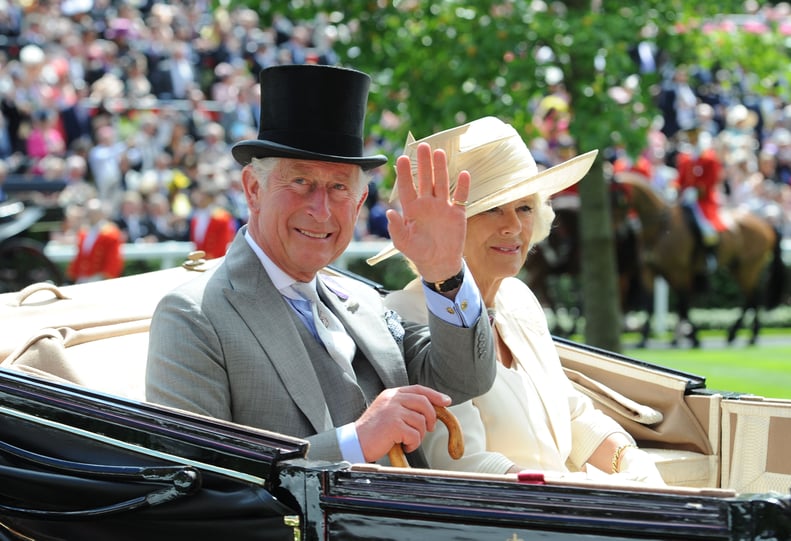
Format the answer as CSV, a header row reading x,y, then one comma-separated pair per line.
x,y
532,416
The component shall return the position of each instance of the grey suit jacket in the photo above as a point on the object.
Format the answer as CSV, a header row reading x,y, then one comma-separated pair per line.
x,y
227,345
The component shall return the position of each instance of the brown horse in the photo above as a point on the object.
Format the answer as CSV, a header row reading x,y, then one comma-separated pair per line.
x,y
556,257
670,250
553,267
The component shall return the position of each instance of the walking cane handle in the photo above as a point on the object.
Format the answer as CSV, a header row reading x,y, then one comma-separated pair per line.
x,y
455,439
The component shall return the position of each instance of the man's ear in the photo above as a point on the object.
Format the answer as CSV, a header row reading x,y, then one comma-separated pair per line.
x,y
252,187
362,199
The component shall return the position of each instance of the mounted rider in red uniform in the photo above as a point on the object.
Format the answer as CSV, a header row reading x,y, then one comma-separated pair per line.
x,y
699,181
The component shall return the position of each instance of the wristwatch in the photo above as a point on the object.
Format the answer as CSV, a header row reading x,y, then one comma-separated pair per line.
x,y
443,286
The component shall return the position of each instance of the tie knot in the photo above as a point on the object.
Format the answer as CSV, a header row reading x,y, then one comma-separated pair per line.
x,y
326,326
306,290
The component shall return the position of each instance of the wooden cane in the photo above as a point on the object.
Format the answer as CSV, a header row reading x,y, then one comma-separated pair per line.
x,y
455,440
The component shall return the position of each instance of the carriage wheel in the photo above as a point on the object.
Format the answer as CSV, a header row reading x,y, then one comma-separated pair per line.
x,y
22,262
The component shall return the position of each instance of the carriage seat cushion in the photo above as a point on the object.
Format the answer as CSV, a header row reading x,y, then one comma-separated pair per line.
x,y
677,467
108,358
686,468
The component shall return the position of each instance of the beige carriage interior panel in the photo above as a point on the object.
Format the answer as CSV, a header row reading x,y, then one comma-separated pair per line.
x,y
43,305
706,409
680,428
681,432
756,436
693,469
108,358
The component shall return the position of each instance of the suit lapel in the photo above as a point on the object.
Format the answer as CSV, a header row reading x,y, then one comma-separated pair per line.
x,y
275,331
366,324
523,335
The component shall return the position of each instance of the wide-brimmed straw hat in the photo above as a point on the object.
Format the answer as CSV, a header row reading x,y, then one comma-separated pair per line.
x,y
311,112
501,167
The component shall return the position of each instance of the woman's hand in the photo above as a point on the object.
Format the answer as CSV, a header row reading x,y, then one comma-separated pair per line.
x,y
637,465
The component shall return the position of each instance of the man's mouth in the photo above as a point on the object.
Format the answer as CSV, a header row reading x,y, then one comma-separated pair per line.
x,y
313,235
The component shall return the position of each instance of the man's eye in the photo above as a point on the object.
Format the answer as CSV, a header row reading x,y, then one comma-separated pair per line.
x,y
300,180
340,186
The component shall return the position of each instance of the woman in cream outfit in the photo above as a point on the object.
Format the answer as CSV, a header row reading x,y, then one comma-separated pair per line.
x,y
532,418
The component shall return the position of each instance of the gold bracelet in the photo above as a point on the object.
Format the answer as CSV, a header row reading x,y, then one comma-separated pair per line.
x,y
616,458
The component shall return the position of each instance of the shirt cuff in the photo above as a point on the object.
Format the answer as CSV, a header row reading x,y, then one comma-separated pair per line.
x,y
462,311
349,444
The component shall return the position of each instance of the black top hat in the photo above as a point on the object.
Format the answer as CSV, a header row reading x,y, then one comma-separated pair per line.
x,y
312,112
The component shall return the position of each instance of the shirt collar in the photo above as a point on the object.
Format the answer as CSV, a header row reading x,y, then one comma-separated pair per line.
x,y
280,279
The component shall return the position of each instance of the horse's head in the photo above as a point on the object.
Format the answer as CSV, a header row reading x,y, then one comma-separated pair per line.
x,y
620,196
635,192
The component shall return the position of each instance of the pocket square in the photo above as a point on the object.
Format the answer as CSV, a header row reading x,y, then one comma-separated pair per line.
x,y
393,321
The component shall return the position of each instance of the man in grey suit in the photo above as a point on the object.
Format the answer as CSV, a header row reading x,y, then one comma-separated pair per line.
x,y
234,344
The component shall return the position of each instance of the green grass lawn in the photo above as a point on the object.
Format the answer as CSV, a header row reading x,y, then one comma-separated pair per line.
x,y
763,369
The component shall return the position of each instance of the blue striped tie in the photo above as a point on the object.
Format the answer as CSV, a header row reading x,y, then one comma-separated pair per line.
x,y
327,326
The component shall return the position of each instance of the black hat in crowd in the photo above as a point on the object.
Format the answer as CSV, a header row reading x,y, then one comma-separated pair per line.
x,y
311,112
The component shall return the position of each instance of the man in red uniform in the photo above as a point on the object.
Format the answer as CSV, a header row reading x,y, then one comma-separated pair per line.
x,y
700,175
212,227
98,247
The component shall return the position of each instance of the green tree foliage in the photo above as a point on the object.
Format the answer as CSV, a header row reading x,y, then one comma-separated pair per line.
x,y
439,63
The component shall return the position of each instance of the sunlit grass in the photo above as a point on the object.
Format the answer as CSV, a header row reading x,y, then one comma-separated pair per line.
x,y
763,369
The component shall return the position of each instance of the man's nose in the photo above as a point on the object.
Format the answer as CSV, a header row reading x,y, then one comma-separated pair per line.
x,y
319,204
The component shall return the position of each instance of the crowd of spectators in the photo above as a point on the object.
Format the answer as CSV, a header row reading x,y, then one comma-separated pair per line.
x,y
137,103
711,112
718,112
749,136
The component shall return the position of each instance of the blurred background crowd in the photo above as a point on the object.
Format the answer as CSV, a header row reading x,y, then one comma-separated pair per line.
x,y
136,104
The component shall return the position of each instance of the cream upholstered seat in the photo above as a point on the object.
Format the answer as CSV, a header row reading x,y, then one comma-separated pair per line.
x,y
680,431
93,334
108,358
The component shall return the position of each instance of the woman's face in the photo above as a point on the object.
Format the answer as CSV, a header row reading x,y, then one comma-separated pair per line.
x,y
498,241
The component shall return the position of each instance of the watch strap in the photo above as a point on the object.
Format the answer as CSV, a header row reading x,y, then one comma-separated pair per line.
x,y
449,284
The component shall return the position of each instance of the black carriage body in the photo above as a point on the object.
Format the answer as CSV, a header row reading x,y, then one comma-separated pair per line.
x,y
361,505
256,485
86,466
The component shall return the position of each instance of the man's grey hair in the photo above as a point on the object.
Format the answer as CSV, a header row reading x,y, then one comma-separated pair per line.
x,y
263,168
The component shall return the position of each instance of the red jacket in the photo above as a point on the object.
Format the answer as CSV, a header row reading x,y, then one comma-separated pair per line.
x,y
218,235
102,260
705,175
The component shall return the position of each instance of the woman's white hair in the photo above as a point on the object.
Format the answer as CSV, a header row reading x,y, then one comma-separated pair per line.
x,y
543,217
